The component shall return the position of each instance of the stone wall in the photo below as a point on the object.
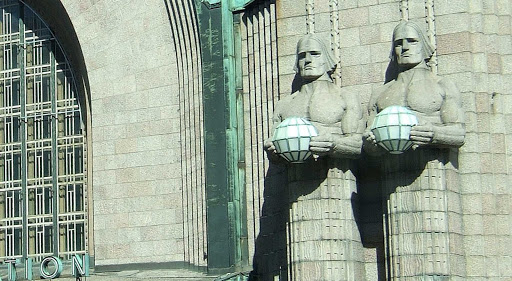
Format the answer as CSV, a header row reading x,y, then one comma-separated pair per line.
x,y
474,48
260,82
132,67
182,13
145,119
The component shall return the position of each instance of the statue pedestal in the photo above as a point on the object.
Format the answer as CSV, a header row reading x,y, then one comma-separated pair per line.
x,y
421,201
323,237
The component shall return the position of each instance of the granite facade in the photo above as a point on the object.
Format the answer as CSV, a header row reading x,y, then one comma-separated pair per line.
x,y
145,122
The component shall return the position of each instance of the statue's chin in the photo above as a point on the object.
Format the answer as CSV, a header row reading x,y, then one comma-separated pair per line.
x,y
406,65
309,78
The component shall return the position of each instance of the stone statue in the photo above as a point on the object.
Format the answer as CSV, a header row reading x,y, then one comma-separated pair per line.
x,y
324,241
435,100
417,184
333,111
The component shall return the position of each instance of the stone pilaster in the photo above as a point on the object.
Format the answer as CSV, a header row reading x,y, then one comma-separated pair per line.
x,y
324,240
417,217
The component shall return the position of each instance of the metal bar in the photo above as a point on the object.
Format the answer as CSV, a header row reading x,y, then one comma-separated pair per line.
x,y
54,133
23,132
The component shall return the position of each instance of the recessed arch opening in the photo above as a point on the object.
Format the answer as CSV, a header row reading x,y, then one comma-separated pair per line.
x,y
44,148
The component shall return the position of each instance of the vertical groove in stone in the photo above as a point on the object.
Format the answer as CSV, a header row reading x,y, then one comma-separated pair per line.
x,y
177,34
198,158
260,87
404,9
335,38
184,23
310,16
251,189
431,31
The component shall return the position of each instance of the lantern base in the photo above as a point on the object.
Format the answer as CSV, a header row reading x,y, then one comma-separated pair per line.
x,y
296,157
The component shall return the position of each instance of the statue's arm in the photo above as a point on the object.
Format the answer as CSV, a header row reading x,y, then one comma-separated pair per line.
x,y
452,131
369,143
347,140
343,139
268,146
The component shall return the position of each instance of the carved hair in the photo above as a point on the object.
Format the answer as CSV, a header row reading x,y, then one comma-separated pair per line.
x,y
329,57
427,50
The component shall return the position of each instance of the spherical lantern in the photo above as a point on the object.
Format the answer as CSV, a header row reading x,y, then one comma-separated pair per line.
x,y
392,127
291,139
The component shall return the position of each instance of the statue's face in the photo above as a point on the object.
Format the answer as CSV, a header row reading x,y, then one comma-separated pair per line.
x,y
408,47
311,61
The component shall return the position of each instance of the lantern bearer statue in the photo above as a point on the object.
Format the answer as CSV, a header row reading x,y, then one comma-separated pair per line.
x,y
419,185
324,241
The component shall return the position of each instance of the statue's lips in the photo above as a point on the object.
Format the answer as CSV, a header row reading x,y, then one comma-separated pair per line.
x,y
406,55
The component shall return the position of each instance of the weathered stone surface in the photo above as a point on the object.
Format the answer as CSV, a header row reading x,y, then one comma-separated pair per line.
x,y
132,56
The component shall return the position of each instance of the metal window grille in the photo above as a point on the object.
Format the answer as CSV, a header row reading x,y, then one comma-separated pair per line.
x,y
43,198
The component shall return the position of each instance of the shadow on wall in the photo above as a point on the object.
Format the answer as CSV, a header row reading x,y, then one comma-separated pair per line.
x,y
270,257
284,185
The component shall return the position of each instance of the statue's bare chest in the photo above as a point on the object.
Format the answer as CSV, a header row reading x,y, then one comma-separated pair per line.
x,y
322,106
424,96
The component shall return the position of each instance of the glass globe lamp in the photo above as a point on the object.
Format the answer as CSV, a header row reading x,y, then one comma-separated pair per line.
x,y
291,139
392,127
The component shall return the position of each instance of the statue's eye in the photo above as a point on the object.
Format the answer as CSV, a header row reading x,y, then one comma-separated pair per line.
x,y
315,53
398,43
301,55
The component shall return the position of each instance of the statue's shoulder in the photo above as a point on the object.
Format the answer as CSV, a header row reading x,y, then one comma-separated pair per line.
x,y
283,99
446,82
448,86
346,94
383,88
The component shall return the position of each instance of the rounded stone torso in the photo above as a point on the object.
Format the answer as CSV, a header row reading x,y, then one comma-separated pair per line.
x,y
322,103
417,89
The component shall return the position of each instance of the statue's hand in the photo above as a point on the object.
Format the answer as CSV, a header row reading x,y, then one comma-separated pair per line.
x,y
421,135
369,137
269,146
370,144
271,152
321,145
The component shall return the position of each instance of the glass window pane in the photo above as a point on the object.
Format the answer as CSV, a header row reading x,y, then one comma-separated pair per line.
x,y
40,108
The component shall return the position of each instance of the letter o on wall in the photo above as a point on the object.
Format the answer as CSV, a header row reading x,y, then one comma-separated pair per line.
x,y
57,263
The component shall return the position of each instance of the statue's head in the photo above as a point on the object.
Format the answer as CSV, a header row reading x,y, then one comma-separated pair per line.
x,y
314,59
410,45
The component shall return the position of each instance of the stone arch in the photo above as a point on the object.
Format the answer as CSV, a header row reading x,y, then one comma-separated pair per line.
x,y
55,16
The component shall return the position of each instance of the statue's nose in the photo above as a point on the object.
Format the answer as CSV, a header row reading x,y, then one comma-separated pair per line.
x,y
308,57
405,45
